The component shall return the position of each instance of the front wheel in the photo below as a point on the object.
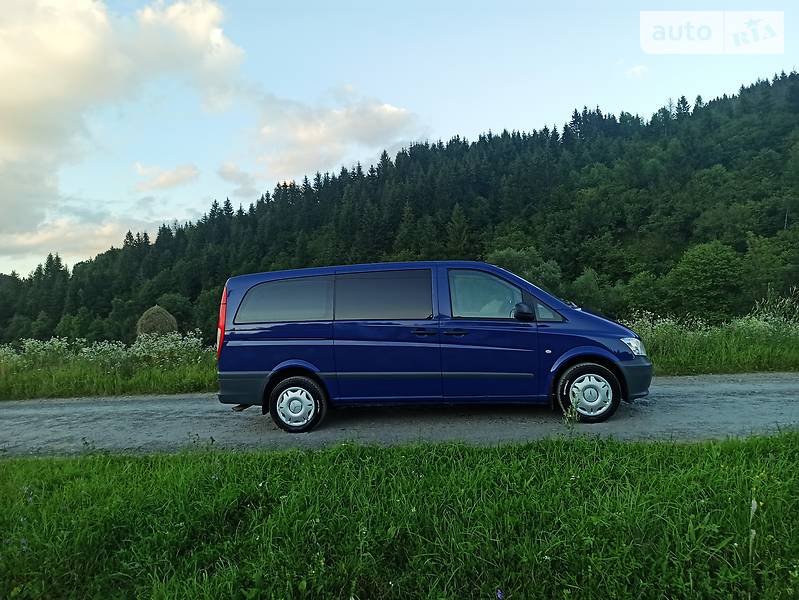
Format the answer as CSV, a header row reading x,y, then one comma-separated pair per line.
x,y
593,390
297,404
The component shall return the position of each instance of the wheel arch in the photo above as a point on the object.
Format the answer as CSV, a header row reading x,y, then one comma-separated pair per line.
x,y
579,355
291,369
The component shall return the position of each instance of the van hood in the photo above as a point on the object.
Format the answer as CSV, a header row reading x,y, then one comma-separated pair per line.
x,y
611,326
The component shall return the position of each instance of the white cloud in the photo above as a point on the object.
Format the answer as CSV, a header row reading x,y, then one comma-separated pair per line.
x,y
297,138
63,60
245,182
186,38
162,179
74,238
59,60
637,71
71,236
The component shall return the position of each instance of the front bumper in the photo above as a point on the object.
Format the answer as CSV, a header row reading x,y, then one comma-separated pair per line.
x,y
637,377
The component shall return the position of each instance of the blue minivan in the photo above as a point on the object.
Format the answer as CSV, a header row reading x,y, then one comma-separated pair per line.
x,y
296,342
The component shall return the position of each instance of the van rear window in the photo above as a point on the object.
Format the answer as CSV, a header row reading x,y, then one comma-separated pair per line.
x,y
299,299
384,295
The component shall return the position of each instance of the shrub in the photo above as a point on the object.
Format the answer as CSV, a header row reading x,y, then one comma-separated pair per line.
x,y
156,320
707,282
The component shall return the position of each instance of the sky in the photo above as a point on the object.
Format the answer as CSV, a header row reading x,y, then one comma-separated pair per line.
x,y
121,115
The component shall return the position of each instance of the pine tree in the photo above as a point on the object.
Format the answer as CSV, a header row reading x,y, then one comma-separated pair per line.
x,y
406,243
576,123
460,238
683,109
568,137
793,96
698,103
227,208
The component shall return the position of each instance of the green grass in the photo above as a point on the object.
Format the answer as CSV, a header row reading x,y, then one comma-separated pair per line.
x,y
553,519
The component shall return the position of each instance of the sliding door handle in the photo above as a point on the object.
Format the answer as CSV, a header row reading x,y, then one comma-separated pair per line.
x,y
421,331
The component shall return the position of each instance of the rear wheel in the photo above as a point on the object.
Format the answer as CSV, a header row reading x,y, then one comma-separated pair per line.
x,y
591,389
297,404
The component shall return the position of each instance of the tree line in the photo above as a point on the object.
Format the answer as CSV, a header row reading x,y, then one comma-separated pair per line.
x,y
691,212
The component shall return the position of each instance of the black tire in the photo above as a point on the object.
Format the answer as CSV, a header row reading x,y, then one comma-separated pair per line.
x,y
313,389
575,372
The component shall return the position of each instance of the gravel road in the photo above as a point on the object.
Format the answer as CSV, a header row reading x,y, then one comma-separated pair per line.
x,y
680,408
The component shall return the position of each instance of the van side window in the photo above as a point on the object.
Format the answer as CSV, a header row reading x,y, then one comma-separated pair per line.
x,y
384,295
546,314
479,295
297,299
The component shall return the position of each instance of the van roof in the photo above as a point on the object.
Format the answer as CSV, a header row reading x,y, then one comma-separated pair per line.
x,y
266,275
240,283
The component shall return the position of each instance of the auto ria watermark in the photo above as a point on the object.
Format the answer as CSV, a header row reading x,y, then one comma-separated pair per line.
x,y
712,32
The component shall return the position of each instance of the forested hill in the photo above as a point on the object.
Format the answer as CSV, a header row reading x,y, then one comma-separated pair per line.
x,y
691,211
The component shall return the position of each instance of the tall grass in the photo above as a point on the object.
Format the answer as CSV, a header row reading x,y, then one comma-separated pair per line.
x,y
765,340
551,519
153,364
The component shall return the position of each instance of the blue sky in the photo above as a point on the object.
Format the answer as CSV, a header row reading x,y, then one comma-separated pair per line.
x,y
128,114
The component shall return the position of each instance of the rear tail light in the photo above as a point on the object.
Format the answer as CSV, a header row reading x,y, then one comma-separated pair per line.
x,y
220,328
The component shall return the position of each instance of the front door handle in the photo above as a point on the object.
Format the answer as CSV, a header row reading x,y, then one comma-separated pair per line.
x,y
422,331
456,332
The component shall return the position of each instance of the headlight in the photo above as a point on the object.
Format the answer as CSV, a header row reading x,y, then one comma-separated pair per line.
x,y
635,345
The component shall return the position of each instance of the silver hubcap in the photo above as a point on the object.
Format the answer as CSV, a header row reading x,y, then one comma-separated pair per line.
x,y
295,406
591,395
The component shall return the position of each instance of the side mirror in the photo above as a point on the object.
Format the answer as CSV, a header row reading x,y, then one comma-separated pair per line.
x,y
523,312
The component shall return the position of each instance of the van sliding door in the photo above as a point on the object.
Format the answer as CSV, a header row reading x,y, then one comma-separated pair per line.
x,y
386,339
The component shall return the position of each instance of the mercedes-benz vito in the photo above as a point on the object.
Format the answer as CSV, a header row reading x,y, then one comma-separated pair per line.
x,y
295,342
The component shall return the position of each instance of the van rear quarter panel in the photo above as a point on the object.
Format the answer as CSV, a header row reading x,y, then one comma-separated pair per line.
x,y
252,352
